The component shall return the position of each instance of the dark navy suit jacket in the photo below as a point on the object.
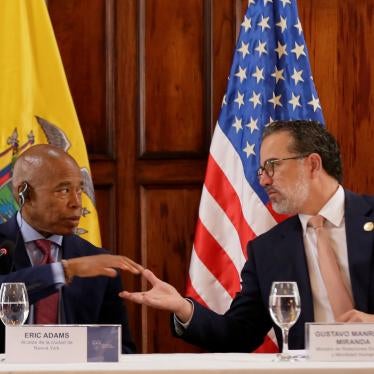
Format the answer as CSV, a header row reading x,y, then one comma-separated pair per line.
x,y
279,255
84,301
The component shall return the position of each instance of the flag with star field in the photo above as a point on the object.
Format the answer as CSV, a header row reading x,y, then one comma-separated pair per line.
x,y
270,79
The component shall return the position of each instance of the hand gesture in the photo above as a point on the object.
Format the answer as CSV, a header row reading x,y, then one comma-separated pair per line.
x,y
356,316
162,295
105,264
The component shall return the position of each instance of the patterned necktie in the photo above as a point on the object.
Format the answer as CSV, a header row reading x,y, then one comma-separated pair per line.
x,y
337,292
46,310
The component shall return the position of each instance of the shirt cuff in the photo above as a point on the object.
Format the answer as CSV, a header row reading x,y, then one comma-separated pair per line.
x,y
181,326
58,273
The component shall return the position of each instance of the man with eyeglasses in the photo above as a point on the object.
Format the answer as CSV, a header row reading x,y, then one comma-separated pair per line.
x,y
301,172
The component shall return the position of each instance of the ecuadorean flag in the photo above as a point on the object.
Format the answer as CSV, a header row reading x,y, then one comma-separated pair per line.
x,y
35,102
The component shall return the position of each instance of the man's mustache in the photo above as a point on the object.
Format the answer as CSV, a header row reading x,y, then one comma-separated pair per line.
x,y
269,190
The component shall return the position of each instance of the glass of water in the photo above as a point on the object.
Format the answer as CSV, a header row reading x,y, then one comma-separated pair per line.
x,y
14,304
284,306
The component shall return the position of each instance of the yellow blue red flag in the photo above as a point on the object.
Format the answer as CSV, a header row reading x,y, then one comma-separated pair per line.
x,y
35,102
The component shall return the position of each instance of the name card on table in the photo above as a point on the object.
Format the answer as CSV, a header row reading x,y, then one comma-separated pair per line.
x,y
340,341
62,343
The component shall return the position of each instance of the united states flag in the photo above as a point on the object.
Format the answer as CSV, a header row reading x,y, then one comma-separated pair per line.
x,y
270,79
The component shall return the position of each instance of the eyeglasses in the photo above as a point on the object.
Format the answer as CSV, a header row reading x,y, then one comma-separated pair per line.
x,y
268,167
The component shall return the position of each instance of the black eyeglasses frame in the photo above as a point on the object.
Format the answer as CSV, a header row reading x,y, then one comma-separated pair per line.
x,y
268,167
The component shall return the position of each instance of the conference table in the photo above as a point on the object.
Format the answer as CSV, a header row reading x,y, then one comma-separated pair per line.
x,y
185,363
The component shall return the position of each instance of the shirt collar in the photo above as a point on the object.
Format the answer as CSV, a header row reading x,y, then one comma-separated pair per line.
x,y
333,210
29,234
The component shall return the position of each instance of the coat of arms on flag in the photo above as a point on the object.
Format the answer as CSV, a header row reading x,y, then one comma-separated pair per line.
x,y
8,156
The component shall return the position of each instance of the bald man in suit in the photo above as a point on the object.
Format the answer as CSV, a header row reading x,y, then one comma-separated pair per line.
x,y
81,278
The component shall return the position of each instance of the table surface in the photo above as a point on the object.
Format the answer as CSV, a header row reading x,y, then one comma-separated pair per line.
x,y
184,363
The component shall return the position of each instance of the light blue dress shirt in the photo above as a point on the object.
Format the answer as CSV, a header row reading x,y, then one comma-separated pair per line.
x,y
29,235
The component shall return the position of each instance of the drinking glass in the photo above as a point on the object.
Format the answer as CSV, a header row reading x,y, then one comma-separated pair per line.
x,y
14,304
284,306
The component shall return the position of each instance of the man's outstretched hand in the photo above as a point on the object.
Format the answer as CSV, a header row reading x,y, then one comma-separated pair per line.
x,y
162,295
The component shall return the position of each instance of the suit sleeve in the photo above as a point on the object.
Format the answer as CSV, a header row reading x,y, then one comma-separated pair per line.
x,y
242,328
39,281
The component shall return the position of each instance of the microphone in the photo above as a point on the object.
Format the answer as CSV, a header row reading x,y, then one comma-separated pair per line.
x,y
3,252
7,248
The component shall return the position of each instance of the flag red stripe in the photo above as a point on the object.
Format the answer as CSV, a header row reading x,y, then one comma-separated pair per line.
x,y
268,346
221,189
191,292
216,259
4,178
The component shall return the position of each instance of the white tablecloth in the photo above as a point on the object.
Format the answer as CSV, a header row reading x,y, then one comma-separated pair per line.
x,y
228,363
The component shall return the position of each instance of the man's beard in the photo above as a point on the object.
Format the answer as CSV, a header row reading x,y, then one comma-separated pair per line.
x,y
292,198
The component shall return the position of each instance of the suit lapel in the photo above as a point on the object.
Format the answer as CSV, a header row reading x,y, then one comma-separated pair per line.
x,y
68,251
360,247
291,257
69,247
21,259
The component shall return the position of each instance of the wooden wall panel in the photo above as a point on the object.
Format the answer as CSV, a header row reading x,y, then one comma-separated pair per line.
x,y
340,36
322,15
166,248
147,78
173,105
105,201
355,94
83,29
127,129
224,17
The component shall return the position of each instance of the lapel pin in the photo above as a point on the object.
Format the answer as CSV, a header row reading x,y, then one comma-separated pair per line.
x,y
369,226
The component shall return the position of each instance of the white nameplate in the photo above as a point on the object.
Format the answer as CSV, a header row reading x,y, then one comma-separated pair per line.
x,y
62,343
340,341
